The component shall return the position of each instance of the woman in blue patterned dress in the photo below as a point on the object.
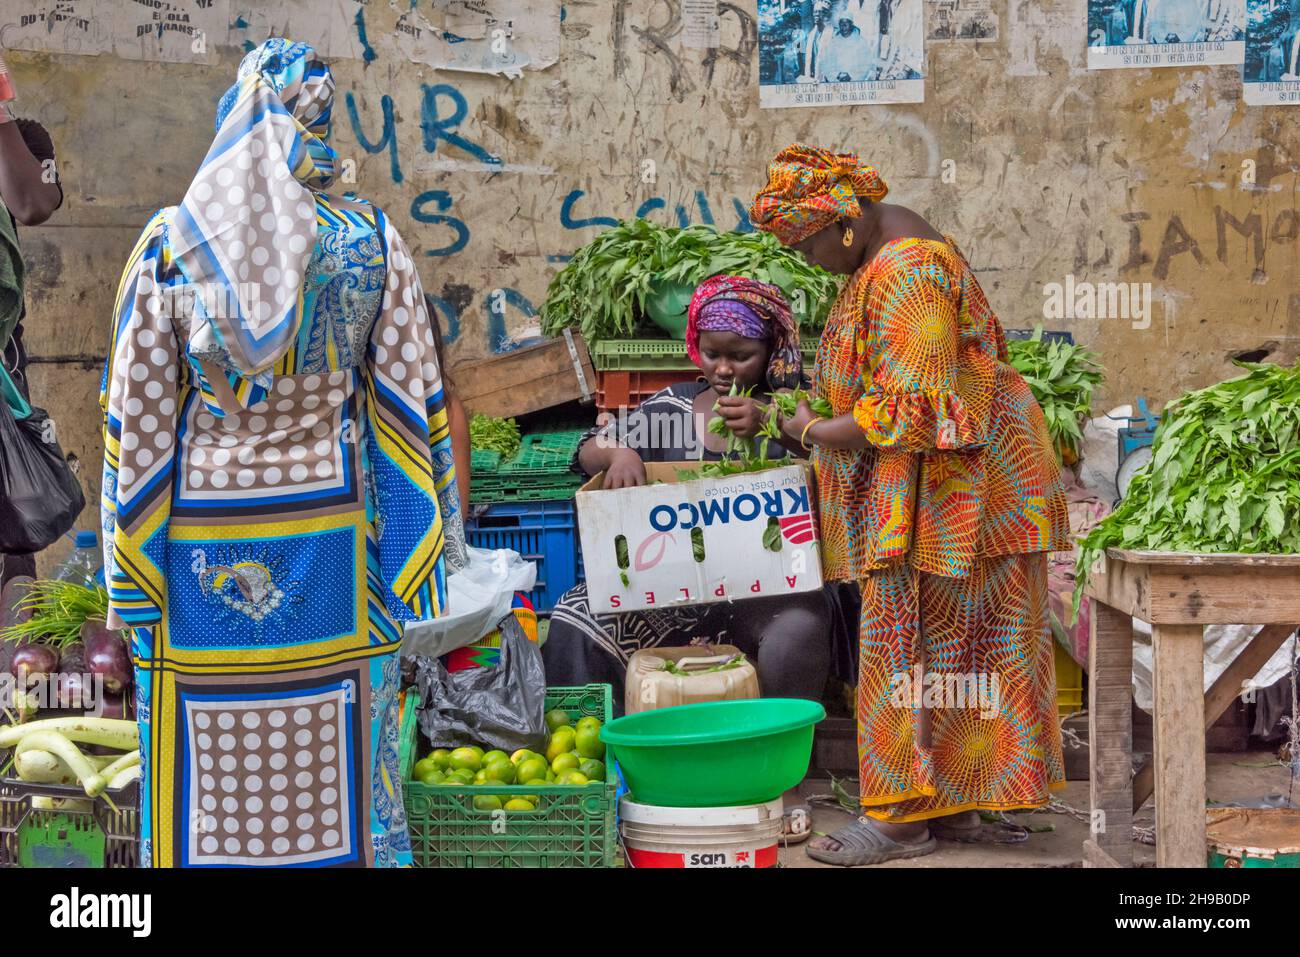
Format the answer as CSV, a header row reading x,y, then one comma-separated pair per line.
x,y
276,448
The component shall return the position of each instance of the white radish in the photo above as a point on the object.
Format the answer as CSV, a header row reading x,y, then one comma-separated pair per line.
x,y
124,777
42,767
108,732
91,781
123,763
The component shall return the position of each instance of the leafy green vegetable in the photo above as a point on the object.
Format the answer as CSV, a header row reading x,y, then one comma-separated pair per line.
x,y
772,536
1062,377
59,609
602,290
494,435
1224,475
627,582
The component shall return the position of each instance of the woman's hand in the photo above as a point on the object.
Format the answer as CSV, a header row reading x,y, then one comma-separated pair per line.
x,y
626,470
743,415
793,427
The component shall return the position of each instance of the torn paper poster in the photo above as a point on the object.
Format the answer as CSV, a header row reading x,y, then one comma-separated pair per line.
x,y
840,52
54,26
961,20
175,31
171,31
491,36
1271,75
701,24
337,29
1137,34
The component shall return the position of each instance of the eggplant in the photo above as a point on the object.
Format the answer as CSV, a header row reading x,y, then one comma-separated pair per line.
x,y
106,656
32,663
115,707
70,683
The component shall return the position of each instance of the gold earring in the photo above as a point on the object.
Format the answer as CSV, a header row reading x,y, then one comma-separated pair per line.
x,y
848,236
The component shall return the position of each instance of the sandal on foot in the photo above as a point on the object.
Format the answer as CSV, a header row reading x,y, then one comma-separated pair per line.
x,y
796,824
986,832
861,844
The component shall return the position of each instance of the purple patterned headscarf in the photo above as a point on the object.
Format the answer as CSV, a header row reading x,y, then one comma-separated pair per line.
x,y
752,310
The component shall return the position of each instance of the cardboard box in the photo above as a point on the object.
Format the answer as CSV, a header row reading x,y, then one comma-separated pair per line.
x,y
732,516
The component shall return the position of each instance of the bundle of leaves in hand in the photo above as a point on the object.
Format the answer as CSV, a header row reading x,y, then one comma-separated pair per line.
x,y
602,290
1062,377
494,435
1224,475
744,454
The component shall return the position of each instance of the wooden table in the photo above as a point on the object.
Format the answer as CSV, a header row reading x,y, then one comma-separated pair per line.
x,y
1179,594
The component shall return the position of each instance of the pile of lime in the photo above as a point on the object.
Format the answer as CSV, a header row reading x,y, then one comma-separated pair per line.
x,y
574,757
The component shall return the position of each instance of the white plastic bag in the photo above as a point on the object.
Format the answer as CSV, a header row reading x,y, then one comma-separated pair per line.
x,y
478,596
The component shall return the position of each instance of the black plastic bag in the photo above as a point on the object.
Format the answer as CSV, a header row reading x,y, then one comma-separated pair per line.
x,y
40,498
502,707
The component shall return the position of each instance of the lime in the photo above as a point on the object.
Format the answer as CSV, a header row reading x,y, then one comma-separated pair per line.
x,y
423,767
487,802
537,782
430,776
565,762
441,758
557,718
588,721
493,756
534,767
501,771
465,759
461,776
589,743
523,754
519,804
560,742
593,769
480,777
477,750
572,778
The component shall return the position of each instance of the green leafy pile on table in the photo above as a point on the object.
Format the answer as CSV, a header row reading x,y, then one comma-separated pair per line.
x,y
1224,475
602,290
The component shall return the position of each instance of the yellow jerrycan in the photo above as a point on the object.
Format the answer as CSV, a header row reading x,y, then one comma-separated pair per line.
x,y
663,677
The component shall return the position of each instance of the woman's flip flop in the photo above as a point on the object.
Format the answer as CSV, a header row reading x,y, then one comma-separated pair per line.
x,y
986,832
861,844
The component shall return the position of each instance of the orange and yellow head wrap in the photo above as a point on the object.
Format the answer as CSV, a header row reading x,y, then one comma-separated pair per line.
x,y
809,188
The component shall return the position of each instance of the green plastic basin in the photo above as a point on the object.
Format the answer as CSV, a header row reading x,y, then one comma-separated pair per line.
x,y
718,754
667,306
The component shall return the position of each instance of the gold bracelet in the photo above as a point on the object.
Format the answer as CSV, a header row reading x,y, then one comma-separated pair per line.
x,y
804,435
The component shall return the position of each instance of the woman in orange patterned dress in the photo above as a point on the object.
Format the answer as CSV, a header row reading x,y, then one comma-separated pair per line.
x,y
941,496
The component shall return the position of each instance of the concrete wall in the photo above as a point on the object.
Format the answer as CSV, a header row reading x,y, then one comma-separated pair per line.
x,y
1040,169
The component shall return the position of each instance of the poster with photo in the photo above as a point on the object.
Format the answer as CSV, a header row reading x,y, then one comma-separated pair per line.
x,y
840,52
961,20
1271,74
1138,34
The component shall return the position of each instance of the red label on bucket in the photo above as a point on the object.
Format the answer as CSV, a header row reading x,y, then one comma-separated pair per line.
x,y
742,857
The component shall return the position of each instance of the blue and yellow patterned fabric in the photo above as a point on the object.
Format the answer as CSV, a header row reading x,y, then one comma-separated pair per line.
x,y
268,529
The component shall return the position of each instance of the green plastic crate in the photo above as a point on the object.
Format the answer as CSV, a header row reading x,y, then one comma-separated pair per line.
x,y
497,492
544,453
635,355
98,837
484,460
572,826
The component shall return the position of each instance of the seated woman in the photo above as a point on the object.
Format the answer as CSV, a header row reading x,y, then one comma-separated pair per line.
x,y
740,332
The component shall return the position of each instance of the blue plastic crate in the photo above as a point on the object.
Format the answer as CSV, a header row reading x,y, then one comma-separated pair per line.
x,y
542,532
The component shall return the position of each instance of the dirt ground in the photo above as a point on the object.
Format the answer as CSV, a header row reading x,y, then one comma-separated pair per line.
x,y
1230,777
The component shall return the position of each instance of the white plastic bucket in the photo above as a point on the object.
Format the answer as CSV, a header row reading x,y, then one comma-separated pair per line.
x,y
746,836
